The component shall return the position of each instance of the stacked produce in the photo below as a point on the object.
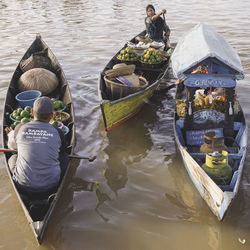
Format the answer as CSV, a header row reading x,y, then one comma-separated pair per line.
x,y
151,55
21,115
58,104
164,54
202,102
181,107
127,54
24,115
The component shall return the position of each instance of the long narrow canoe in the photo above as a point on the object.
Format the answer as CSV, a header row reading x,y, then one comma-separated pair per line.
x,y
119,110
206,72
39,217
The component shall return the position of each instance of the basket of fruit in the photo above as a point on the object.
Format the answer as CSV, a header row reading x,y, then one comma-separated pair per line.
x,y
127,55
61,116
165,55
151,58
21,115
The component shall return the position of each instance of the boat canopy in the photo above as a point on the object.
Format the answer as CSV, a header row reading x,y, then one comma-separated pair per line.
x,y
202,45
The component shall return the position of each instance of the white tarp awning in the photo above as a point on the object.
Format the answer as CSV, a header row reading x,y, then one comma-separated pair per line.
x,y
200,43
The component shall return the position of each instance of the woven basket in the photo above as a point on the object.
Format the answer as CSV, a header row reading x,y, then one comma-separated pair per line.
x,y
61,116
151,65
118,90
35,61
128,61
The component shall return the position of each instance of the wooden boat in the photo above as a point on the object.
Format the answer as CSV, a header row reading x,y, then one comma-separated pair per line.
x,y
38,211
119,109
202,120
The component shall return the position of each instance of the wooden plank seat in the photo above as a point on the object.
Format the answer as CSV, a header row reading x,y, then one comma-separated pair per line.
x,y
195,138
234,156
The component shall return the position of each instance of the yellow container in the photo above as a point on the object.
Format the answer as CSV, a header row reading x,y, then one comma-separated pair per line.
x,y
216,166
217,160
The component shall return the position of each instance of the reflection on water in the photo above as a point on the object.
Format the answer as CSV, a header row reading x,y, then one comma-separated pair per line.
x,y
102,197
184,195
115,174
136,194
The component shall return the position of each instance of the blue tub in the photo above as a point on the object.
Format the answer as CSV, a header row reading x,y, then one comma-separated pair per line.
x,y
27,98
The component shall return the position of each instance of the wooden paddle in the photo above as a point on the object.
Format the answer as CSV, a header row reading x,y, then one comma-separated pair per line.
x,y
163,90
6,150
173,85
168,41
170,87
164,17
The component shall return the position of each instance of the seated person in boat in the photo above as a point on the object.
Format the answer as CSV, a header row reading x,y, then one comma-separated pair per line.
x,y
41,159
155,25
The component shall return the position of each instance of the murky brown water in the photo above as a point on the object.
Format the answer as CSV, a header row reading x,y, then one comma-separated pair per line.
x,y
147,200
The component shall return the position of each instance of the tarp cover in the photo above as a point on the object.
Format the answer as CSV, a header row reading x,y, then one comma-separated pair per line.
x,y
200,43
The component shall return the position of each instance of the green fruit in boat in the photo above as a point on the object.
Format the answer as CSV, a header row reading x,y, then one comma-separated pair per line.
x,y
24,113
14,114
61,104
16,123
19,110
25,120
28,109
57,105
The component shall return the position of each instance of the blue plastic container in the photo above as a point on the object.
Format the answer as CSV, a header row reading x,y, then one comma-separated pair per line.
x,y
27,98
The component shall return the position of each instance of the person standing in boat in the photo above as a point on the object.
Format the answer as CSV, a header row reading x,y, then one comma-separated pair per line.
x,y
156,26
41,157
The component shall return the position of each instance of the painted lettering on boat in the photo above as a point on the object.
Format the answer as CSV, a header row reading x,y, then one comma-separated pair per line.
x,y
205,82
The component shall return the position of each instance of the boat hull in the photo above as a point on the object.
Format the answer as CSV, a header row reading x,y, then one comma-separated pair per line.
x,y
118,111
63,93
218,200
